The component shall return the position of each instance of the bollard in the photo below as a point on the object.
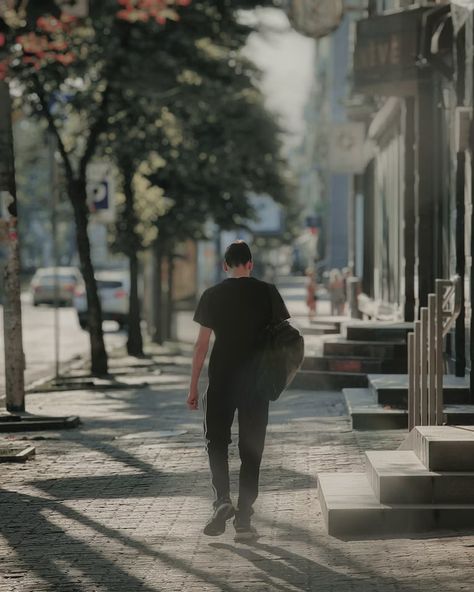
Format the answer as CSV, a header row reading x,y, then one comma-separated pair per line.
x,y
439,371
424,367
417,367
431,359
353,291
411,382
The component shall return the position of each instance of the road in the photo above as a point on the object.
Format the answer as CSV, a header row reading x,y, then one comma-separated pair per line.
x,y
38,332
38,340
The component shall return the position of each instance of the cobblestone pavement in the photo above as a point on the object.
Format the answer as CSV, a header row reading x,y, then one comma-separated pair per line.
x,y
119,505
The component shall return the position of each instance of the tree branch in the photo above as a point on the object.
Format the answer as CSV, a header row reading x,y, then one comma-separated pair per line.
x,y
95,132
53,127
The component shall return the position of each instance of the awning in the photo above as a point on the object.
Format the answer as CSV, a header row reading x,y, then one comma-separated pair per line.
x,y
388,116
437,39
468,4
460,11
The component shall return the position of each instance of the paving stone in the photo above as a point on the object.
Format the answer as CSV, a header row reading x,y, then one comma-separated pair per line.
x,y
99,513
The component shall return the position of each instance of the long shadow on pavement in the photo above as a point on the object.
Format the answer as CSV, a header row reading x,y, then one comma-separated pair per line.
x,y
42,545
301,573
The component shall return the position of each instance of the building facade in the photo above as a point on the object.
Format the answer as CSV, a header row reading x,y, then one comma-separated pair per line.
x,y
412,66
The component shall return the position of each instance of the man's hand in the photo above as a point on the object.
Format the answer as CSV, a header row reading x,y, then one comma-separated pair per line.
x,y
193,400
200,352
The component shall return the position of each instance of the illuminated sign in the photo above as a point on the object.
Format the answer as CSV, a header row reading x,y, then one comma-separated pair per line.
x,y
388,50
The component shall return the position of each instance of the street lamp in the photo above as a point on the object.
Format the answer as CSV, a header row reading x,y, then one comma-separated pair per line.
x,y
316,18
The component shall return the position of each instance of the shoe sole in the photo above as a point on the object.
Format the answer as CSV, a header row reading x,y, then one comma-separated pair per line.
x,y
246,537
217,527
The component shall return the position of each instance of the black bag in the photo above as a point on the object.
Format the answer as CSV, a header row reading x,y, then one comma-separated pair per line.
x,y
281,356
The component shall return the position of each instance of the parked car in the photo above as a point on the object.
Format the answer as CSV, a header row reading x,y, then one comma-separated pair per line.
x,y
50,285
114,294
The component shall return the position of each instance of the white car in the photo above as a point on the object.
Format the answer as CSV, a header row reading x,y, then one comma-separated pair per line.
x,y
50,285
114,294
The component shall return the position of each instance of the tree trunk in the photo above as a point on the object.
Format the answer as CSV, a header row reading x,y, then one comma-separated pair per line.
x,y
14,355
99,361
135,340
157,300
169,300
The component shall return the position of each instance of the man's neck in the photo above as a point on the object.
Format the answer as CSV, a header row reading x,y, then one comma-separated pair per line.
x,y
239,273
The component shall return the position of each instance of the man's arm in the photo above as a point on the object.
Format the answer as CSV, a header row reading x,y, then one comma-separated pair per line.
x,y
200,352
279,310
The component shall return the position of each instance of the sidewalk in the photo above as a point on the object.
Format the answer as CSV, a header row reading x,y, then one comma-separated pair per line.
x,y
119,505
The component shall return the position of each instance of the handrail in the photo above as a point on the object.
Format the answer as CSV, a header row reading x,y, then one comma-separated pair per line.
x,y
425,353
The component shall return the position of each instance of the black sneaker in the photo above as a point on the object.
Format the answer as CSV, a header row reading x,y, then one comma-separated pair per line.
x,y
244,531
216,525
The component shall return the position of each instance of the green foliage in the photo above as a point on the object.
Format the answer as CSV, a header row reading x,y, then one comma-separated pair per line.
x,y
204,116
182,91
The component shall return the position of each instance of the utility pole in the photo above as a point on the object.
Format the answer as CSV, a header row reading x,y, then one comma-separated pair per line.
x,y
54,226
13,340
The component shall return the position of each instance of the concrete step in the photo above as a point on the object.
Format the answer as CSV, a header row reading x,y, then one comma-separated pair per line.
x,y
366,349
350,508
355,364
322,380
377,331
392,389
320,329
456,415
367,414
399,477
335,321
443,448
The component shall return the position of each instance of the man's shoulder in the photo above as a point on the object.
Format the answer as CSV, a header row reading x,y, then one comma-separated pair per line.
x,y
213,289
224,285
267,285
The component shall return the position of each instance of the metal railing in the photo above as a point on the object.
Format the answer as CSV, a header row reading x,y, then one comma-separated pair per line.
x,y
425,353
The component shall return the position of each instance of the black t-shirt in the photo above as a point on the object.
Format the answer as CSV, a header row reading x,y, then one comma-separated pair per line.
x,y
237,310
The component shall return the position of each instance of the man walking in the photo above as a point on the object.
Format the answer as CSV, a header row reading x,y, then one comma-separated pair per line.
x,y
237,311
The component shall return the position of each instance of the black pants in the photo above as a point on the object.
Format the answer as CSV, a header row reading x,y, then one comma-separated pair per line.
x,y
253,420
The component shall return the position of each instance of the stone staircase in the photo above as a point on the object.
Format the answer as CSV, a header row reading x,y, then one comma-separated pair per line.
x,y
383,403
345,360
428,484
368,362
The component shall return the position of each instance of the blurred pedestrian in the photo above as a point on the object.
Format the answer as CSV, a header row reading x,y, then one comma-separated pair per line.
x,y
311,293
336,292
237,310
346,274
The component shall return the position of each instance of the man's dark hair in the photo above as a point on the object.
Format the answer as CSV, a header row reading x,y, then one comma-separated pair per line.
x,y
238,253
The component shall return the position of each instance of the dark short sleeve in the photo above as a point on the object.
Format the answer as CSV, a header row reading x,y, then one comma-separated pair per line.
x,y
279,310
203,314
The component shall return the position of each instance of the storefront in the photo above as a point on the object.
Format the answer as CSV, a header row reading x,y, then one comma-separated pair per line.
x,y
406,187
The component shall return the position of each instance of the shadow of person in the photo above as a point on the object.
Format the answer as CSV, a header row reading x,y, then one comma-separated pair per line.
x,y
284,568
49,550
45,544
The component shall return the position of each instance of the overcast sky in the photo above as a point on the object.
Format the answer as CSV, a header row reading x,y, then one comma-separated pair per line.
x,y
287,60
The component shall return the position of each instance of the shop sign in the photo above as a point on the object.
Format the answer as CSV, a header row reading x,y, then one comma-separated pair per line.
x,y
347,148
268,215
316,18
101,192
387,49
